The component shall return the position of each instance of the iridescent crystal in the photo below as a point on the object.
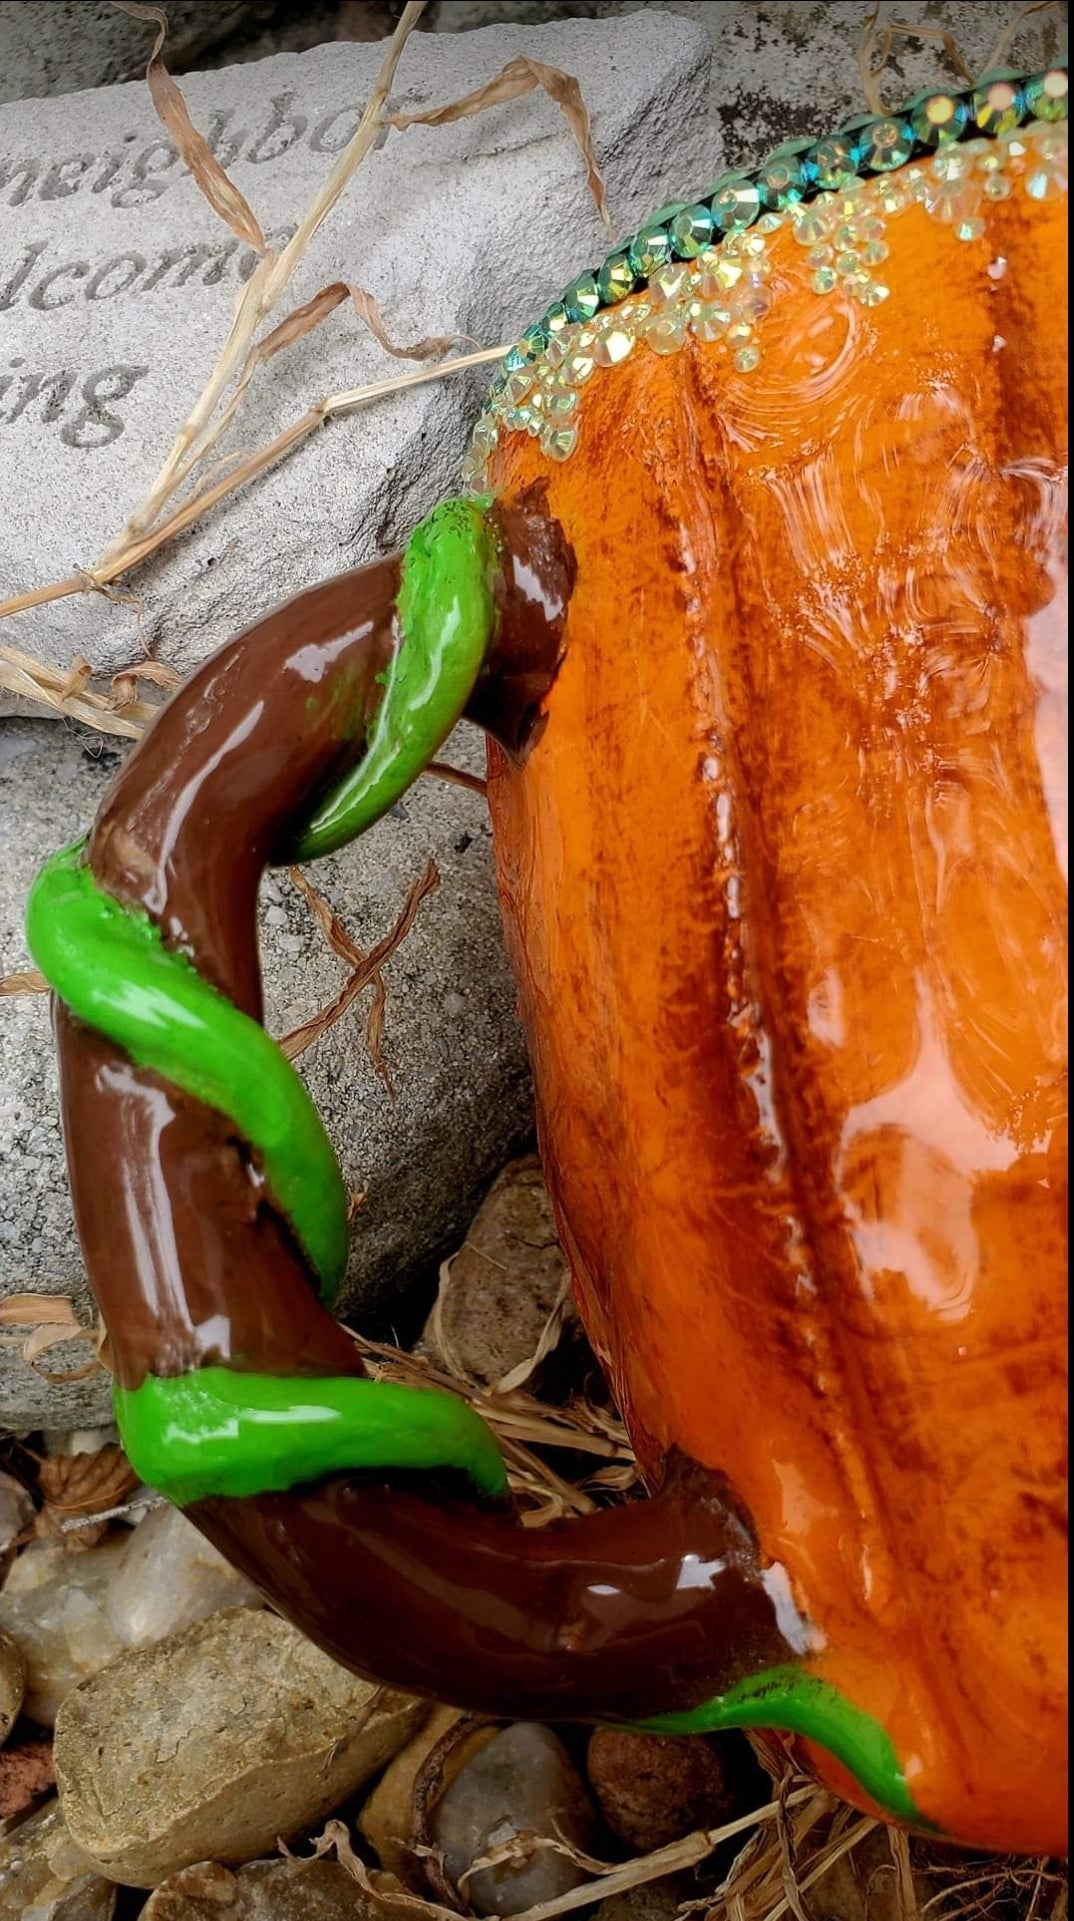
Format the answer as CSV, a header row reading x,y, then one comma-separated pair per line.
x,y
886,144
938,119
559,443
666,285
708,321
649,250
666,333
825,280
616,279
783,179
691,231
998,106
613,347
812,224
834,162
1046,95
746,359
582,297
736,206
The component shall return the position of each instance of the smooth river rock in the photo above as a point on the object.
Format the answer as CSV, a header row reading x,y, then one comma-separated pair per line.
x,y
53,1607
214,1743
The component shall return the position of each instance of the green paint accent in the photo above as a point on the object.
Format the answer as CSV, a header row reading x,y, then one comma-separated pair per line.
x,y
795,1702
216,1431
109,965
447,619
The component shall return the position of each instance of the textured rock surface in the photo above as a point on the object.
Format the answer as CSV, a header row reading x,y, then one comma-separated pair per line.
x,y
214,1743
53,1607
504,1283
87,43
521,1788
12,1684
263,1891
654,1788
169,1577
466,228
44,1878
16,1513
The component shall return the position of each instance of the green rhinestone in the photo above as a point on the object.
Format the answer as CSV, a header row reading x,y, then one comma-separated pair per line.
x,y
784,178
938,118
582,297
886,144
834,162
556,318
616,279
736,206
998,106
691,231
533,342
516,357
650,249
1046,95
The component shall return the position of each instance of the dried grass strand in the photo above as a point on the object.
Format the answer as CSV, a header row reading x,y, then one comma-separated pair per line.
x,y
521,76
29,981
366,967
1010,33
223,196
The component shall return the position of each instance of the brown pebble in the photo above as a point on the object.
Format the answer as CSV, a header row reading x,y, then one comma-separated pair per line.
x,y
26,1776
654,1788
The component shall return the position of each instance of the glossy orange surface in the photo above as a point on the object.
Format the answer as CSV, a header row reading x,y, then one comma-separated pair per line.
x,y
785,888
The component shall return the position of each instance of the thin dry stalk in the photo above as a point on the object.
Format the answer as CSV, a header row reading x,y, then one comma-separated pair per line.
x,y
28,982
521,76
367,969
52,1320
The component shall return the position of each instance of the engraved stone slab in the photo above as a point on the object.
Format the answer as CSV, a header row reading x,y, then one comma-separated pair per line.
x,y
117,284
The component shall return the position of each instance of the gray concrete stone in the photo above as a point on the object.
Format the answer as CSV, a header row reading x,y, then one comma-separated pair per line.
x,y
787,67
455,1050
67,44
117,285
